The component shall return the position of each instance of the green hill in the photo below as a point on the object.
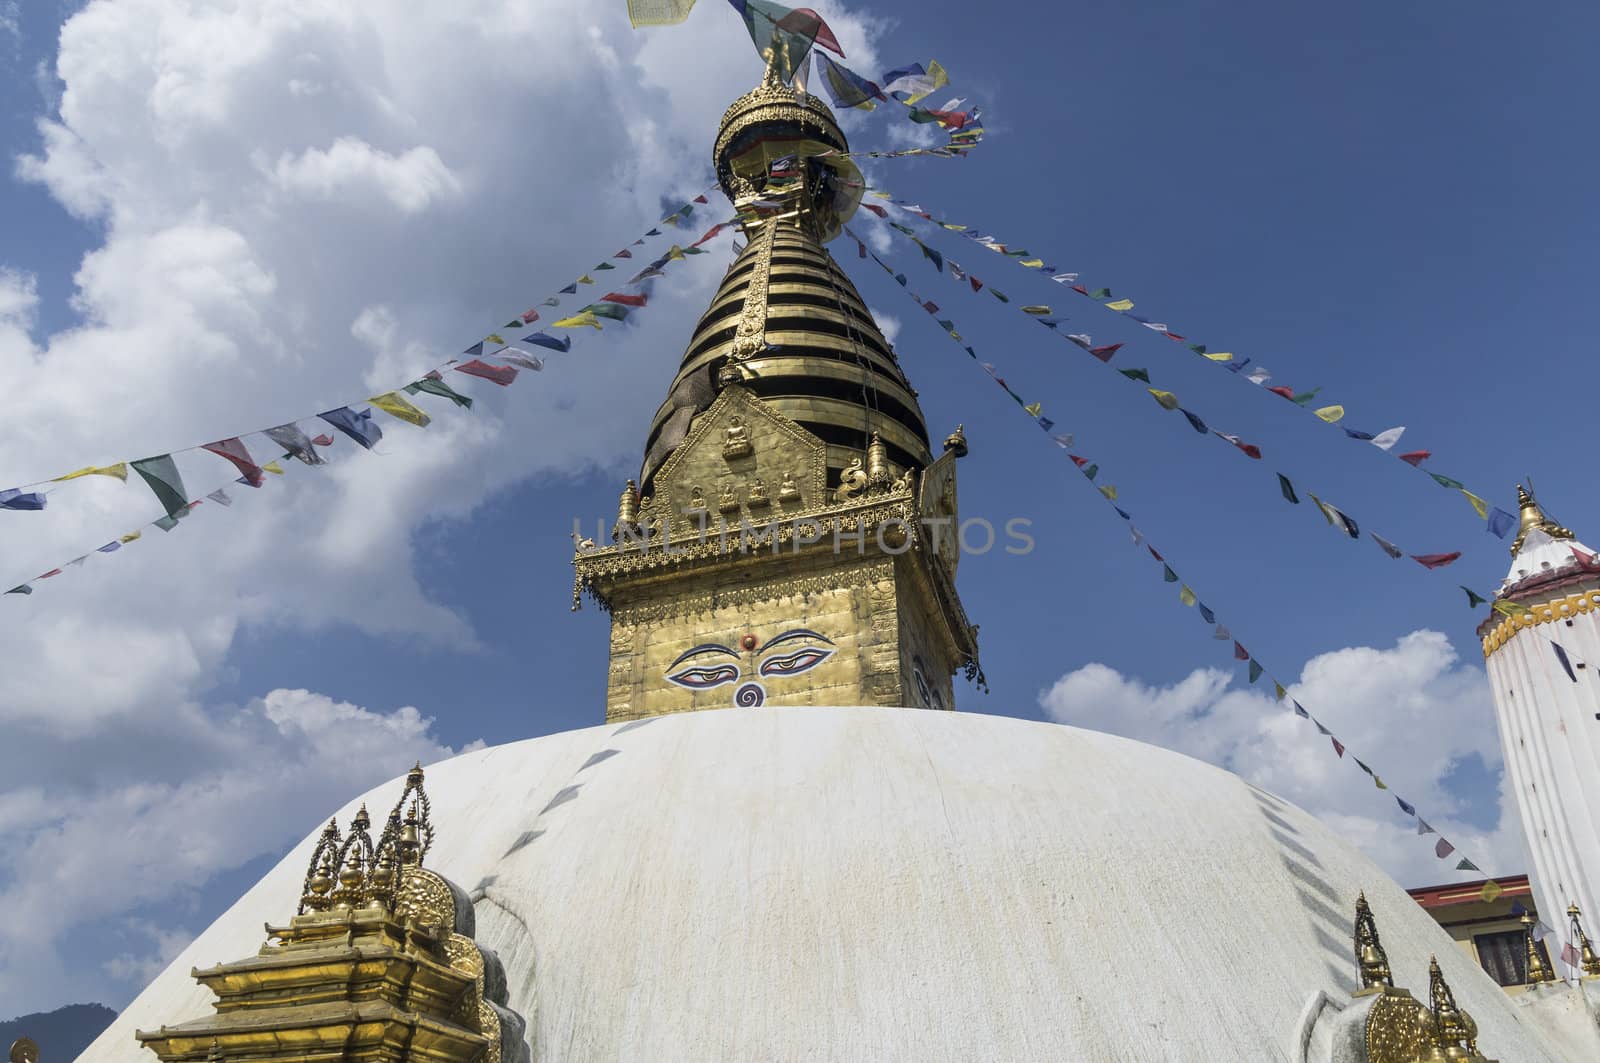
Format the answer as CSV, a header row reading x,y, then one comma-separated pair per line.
x,y
62,1034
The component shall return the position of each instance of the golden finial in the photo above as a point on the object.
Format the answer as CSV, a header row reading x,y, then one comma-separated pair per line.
x,y
1537,971
957,441
320,871
1587,958
627,511
1534,517
1454,1028
24,1050
877,463
1371,960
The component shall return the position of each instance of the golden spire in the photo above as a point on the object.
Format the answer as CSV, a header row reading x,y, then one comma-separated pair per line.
x,y
1587,957
1534,517
1453,1027
1372,961
1537,971
957,441
878,474
627,511
320,872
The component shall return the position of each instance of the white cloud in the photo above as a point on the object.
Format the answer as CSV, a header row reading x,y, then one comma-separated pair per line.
x,y
1412,712
298,203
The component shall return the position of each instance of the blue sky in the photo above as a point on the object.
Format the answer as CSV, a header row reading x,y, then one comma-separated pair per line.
x,y
1392,203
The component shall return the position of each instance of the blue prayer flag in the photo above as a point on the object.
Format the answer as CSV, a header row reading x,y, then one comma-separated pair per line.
x,y
357,424
1566,662
1356,433
1501,522
544,339
1405,806
1205,613
15,498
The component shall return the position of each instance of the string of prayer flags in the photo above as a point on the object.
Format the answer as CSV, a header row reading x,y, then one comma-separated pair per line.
x,y
1330,414
1187,596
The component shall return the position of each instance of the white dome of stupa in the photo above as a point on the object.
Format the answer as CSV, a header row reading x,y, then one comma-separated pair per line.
x,y
888,884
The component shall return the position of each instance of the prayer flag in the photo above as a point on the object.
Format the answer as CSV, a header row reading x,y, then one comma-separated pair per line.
x,y
434,386
1109,491
1255,669
1220,356
658,12
912,83
219,496
570,289
1222,634
1474,599
625,298
1120,304
16,498
119,470
500,374
1509,608
21,588
357,424
1278,692
235,453
272,466
1165,399
1288,489
161,473
1389,548
846,87
544,339
1305,397
1415,458
1206,614
1135,374
1338,746
1300,711
1037,311
517,358
1386,439
1491,891
1105,353
292,439
1250,449
1167,575
1331,414
1566,662
1240,653
585,279
1501,522
1195,422
1570,955
395,405
1443,849
1467,865
110,548
1432,561
1258,376
1356,433
582,319
1186,596
1405,806
130,537
1478,504
1100,293
609,311
1445,481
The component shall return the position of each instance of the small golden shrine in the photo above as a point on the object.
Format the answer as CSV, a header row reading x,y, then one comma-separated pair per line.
x,y
791,538
378,965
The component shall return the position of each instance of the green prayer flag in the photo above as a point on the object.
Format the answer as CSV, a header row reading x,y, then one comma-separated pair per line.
x,y
1467,865
1091,470
1000,295
1288,489
1277,689
1167,575
1474,599
440,388
1305,397
1198,348
1100,293
605,265
1135,374
1255,670
1445,481
613,311
21,588
161,473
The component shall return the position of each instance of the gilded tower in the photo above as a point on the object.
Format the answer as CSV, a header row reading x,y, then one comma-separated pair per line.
x,y
791,538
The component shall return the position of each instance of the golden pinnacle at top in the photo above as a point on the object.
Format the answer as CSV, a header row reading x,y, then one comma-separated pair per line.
x,y
1534,517
1371,960
957,441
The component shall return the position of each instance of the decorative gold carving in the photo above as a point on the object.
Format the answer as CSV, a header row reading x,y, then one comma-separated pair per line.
x,y
758,494
1546,613
1398,1029
852,481
788,490
879,476
1371,960
1455,1030
726,501
749,337
697,500
736,441
627,512
1537,971
24,1050
957,441
1534,517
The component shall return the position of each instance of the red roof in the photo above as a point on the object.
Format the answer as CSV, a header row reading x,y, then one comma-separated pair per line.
x,y
1469,892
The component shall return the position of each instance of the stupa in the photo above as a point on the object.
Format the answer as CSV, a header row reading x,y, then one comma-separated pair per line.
x,y
777,847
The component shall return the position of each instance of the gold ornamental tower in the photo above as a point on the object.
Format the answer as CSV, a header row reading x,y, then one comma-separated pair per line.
x,y
791,538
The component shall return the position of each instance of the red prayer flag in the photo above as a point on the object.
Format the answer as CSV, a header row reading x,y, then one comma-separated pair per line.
x,y
1416,457
1105,353
1080,289
1287,393
1079,462
624,253
700,198
500,374
234,452
1155,555
1240,653
713,231
47,575
1435,560
1338,746
530,316
1443,849
1174,336
807,23
623,298
931,307
323,440
975,282
879,211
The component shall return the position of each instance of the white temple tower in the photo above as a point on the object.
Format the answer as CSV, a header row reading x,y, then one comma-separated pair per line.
x,y
1542,660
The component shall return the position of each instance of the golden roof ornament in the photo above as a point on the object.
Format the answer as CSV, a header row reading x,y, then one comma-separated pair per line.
x,y
627,511
321,871
24,1050
878,473
1537,971
1371,960
957,441
1587,958
1456,1031
1534,517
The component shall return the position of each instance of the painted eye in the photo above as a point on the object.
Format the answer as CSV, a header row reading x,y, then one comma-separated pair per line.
x,y
795,663
704,678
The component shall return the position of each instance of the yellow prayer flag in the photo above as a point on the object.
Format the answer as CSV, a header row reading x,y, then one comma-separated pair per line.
x,y
658,12
1109,491
1037,310
1478,504
882,195
1324,509
937,79
1379,783
1186,596
1277,688
273,467
1491,891
675,253
1121,304
495,337
1032,263
130,537
585,318
1509,608
393,404
1331,414
952,228
119,470
1220,356
1034,409
1167,399
585,279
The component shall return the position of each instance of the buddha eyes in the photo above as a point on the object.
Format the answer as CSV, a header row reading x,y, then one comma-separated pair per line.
x,y
705,678
795,663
